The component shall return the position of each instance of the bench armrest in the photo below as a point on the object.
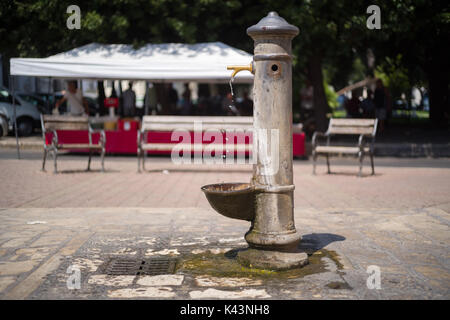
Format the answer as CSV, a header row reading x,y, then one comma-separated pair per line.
x,y
54,142
97,131
318,134
138,140
140,137
362,141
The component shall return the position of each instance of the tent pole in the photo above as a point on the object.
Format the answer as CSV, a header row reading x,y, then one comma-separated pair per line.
x,y
11,81
52,106
48,99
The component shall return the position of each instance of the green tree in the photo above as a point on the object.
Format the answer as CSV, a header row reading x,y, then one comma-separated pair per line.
x,y
332,34
415,35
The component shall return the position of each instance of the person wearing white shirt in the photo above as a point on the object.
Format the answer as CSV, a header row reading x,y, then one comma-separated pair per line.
x,y
76,104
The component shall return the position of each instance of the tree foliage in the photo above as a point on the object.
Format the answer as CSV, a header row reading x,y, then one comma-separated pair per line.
x,y
332,33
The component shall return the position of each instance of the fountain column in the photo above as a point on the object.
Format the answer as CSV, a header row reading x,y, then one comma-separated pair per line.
x,y
273,239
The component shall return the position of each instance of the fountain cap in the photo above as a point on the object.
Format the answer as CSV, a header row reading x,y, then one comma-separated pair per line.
x,y
273,24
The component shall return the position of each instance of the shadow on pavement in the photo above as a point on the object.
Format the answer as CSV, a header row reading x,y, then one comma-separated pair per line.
x,y
316,241
310,243
73,171
363,175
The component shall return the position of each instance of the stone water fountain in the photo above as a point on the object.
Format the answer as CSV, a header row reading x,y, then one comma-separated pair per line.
x,y
267,201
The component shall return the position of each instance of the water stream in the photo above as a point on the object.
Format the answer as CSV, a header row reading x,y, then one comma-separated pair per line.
x,y
232,106
231,87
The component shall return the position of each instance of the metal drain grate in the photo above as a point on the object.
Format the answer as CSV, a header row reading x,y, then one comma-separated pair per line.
x,y
117,267
156,266
152,267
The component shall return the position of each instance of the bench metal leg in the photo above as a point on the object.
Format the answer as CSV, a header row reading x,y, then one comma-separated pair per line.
x,y
143,159
103,159
314,162
361,157
43,159
371,163
55,157
328,164
139,153
89,161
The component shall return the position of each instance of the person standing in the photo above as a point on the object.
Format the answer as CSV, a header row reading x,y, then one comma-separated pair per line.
x,y
246,105
367,105
352,105
379,100
76,104
129,101
173,98
186,101
307,97
150,100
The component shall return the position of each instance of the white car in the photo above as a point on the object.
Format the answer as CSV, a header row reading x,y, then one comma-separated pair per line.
x,y
28,115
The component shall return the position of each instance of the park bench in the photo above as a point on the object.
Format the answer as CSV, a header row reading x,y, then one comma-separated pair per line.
x,y
365,128
54,123
171,123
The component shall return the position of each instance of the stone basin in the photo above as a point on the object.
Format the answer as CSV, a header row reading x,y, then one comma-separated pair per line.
x,y
232,200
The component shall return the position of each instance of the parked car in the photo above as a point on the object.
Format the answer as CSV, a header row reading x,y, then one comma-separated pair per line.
x,y
51,100
28,115
42,105
3,122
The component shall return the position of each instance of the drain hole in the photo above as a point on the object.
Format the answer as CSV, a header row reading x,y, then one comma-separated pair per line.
x,y
153,266
274,67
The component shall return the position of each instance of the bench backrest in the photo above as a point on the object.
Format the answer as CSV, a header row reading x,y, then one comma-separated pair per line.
x,y
353,126
170,123
51,122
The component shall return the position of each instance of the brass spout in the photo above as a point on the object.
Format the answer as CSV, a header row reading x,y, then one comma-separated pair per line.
x,y
240,68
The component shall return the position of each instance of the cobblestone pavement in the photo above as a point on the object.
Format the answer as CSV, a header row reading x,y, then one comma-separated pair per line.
x,y
53,224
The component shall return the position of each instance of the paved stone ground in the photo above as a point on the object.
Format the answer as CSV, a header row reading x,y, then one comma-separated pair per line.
x,y
397,220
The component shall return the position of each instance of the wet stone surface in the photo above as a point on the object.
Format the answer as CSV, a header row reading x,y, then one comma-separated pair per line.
x,y
205,268
409,247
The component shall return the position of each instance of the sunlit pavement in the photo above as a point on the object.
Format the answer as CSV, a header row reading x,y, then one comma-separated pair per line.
x,y
52,225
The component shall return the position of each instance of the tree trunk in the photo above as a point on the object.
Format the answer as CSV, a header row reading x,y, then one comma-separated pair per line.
x,y
437,70
321,107
101,98
438,82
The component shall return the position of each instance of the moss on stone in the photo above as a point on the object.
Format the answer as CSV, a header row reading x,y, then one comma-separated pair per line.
x,y
226,265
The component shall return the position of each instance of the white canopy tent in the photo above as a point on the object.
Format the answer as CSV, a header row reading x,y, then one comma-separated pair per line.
x,y
170,62
201,62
